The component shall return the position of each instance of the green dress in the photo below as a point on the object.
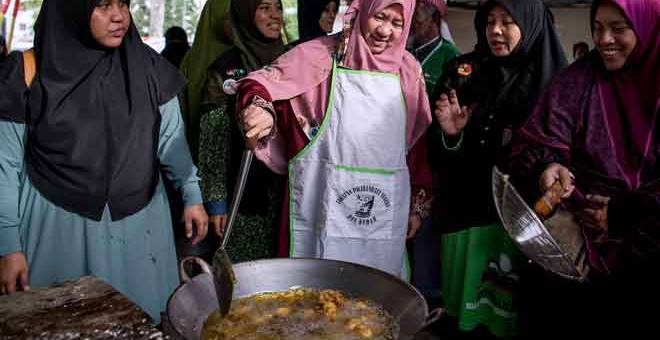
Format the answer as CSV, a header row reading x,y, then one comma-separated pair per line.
x,y
135,255
479,278
253,235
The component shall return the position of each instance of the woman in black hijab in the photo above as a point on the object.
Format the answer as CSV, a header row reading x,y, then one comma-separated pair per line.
x,y
316,18
176,45
82,149
489,93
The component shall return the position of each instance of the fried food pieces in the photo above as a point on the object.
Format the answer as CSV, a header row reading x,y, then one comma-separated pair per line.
x,y
306,314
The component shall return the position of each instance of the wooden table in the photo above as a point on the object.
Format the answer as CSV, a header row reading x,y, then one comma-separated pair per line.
x,y
87,308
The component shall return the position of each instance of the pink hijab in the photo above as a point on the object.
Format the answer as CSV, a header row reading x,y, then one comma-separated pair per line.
x,y
358,56
303,75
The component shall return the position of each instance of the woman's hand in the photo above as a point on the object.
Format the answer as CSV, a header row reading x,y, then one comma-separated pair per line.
x,y
596,217
414,223
219,222
13,271
257,122
557,172
196,215
451,116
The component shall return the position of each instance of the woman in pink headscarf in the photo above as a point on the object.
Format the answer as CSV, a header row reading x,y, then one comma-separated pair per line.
x,y
344,116
596,130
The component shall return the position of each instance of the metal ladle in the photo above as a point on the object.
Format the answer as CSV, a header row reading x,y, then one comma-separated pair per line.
x,y
223,271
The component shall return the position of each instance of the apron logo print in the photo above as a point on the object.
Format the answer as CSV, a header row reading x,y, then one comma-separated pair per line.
x,y
360,201
365,205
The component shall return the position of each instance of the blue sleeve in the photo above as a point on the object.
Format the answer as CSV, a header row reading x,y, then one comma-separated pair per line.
x,y
12,154
174,154
214,208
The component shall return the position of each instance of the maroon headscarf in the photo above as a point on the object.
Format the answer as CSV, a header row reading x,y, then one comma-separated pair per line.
x,y
630,97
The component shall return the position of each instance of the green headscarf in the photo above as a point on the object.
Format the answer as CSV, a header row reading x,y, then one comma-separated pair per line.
x,y
210,42
256,50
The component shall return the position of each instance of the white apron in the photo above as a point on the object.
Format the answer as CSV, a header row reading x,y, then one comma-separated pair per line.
x,y
349,188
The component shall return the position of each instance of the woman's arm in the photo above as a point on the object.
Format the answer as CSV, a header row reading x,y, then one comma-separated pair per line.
x,y
177,164
11,167
247,91
13,264
174,155
214,159
272,149
546,139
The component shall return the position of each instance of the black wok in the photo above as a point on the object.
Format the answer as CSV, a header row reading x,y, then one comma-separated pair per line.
x,y
193,301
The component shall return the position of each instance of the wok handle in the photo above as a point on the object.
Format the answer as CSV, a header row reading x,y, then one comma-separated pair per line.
x,y
433,316
545,206
185,277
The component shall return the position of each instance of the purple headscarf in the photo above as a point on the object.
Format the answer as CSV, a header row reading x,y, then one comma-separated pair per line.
x,y
630,97
590,116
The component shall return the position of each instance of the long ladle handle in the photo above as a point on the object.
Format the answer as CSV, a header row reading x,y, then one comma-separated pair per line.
x,y
243,171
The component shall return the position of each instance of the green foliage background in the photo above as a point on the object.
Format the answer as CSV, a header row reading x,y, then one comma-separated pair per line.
x,y
184,13
291,19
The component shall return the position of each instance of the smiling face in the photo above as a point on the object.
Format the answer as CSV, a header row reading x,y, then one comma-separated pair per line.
x,y
327,19
613,37
384,29
268,19
502,32
109,22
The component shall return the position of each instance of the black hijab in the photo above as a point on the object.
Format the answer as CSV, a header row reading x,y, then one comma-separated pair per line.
x,y
92,113
12,88
176,45
515,82
256,50
309,14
